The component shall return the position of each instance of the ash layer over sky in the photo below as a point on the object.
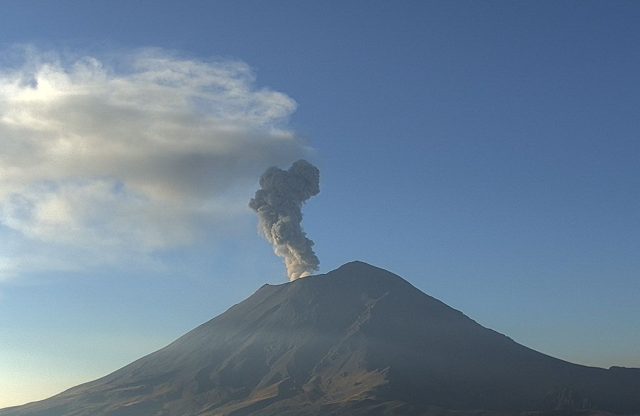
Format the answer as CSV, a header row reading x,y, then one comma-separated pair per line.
x,y
278,203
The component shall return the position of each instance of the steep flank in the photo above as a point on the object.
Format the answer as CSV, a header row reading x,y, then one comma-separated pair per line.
x,y
357,340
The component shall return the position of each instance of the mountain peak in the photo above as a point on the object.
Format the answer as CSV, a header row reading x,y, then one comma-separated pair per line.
x,y
357,264
360,267
360,273
357,340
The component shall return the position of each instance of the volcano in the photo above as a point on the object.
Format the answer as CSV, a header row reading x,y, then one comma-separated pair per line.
x,y
356,341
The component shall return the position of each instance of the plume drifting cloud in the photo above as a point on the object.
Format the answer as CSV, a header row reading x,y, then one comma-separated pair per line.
x,y
137,153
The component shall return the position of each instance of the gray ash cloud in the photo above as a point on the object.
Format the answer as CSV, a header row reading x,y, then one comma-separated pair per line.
x,y
278,204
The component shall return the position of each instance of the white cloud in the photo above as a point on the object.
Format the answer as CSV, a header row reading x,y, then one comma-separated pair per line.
x,y
139,154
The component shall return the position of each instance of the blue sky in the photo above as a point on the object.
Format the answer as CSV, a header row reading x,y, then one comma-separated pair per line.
x,y
486,151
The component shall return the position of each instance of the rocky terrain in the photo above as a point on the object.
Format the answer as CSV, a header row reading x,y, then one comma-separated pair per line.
x,y
356,341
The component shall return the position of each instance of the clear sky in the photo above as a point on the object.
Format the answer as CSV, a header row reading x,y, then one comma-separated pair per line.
x,y
488,152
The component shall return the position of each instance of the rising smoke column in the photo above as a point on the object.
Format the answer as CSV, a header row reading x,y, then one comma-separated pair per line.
x,y
278,203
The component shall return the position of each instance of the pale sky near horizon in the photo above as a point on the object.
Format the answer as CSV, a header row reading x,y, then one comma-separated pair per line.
x,y
488,152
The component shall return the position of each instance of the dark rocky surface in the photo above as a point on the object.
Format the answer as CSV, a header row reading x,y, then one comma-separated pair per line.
x,y
356,341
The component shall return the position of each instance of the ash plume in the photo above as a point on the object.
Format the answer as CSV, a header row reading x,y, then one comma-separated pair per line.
x,y
278,203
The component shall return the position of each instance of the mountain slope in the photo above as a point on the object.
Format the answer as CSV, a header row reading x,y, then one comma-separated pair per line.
x,y
358,340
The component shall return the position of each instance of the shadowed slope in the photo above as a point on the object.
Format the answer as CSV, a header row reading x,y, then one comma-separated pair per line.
x,y
358,340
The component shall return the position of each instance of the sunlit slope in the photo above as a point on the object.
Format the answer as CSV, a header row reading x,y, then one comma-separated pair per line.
x,y
358,340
